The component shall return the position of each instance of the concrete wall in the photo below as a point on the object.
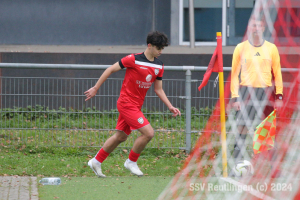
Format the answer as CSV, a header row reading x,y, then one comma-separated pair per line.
x,y
77,22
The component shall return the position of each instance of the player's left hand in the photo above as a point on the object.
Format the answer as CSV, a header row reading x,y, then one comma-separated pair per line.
x,y
175,111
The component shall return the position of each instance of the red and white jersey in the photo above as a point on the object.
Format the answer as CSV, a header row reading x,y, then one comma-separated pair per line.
x,y
139,76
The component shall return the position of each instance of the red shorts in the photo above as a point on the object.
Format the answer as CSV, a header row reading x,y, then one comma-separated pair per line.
x,y
130,118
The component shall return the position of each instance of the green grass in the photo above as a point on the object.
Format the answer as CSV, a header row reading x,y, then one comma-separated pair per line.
x,y
78,180
51,161
36,141
89,118
41,126
86,138
129,187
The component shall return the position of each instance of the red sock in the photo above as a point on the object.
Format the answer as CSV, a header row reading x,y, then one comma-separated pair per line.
x,y
133,156
101,155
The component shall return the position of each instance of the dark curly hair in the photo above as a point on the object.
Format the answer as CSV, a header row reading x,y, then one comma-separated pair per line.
x,y
158,39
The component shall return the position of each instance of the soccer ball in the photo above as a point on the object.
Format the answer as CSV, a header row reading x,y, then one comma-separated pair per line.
x,y
243,168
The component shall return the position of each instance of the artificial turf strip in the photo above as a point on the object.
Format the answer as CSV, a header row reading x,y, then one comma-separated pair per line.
x,y
126,187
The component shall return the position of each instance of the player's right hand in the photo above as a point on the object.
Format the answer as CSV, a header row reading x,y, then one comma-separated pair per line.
x,y
90,93
236,106
175,111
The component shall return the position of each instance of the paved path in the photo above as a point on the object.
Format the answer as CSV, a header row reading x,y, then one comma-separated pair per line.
x,y
18,188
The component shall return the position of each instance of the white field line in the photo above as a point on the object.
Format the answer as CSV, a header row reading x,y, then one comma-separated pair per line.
x,y
252,191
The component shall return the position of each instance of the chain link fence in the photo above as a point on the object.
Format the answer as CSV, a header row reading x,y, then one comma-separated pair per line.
x,y
52,111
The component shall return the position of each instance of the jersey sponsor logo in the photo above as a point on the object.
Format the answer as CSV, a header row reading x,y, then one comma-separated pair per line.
x,y
149,77
140,120
156,71
143,67
144,85
257,54
148,64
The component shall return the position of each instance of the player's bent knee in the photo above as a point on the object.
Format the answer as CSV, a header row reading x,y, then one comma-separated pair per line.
x,y
121,137
147,132
150,135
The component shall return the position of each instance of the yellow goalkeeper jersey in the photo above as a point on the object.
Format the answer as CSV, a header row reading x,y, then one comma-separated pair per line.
x,y
255,65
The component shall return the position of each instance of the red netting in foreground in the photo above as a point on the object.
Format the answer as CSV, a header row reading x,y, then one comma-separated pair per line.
x,y
201,175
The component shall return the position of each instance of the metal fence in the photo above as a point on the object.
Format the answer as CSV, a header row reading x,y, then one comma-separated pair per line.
x,y
48,111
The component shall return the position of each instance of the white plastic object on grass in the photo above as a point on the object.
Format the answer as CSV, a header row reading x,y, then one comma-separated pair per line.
x,y
50,181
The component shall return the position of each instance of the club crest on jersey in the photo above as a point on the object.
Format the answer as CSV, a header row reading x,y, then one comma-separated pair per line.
x,y
149,77
141,120
156,71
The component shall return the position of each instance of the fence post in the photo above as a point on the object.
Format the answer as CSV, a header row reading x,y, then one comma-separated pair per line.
x,y
0,82
188,77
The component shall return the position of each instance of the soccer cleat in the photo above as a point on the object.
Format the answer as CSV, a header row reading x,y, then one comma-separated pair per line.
x,y
133,168
96,167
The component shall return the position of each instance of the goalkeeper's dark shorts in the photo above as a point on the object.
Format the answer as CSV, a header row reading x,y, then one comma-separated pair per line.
x,y
256,105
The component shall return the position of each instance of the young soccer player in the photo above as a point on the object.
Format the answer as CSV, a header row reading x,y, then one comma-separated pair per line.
x,y
142,70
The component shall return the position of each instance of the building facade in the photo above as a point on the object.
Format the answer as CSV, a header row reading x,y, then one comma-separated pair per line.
x,y
118,22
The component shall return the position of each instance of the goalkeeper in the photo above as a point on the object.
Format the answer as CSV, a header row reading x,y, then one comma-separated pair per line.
x,y
257,62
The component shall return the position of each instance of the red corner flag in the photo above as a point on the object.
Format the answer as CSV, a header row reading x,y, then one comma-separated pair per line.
x,y
215,64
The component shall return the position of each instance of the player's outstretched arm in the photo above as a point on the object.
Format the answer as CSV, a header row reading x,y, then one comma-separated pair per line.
x,y
93,90
161,94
